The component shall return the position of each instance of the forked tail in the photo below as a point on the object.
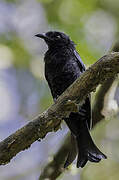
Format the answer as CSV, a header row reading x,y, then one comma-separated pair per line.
x,y
87,150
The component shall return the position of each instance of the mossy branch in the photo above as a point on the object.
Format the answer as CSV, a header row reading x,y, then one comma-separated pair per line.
x,y
105,68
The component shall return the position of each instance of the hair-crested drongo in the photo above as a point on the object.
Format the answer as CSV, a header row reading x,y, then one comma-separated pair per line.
x,y
63,66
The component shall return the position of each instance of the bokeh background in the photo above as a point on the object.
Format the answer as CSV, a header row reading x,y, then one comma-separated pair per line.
x,y
94,26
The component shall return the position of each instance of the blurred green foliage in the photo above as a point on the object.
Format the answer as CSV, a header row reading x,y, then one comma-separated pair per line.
x,y
94,26
21,55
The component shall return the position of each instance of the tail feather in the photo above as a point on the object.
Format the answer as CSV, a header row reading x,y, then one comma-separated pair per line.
x,y
81,162
87,150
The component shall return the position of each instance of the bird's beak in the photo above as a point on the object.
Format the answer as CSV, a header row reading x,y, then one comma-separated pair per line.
x,y
43,36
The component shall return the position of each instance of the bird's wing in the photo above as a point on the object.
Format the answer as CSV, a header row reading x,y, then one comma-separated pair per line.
x,y
80,62
85,111
86,107
49,80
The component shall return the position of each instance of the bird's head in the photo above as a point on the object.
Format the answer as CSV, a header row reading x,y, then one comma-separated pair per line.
x,y
54,38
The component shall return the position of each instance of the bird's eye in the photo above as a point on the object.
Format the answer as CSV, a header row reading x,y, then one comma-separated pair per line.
x,y
58,36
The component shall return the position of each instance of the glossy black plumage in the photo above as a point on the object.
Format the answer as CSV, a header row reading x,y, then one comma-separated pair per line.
x,y
63,66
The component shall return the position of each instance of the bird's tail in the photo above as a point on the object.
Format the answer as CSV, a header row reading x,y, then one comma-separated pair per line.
x,y
87,150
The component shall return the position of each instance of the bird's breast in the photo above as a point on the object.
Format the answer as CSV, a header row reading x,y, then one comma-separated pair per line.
x,y
62,75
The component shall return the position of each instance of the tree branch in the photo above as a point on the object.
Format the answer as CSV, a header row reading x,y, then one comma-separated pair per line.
x,y
100,96
98,105
48,121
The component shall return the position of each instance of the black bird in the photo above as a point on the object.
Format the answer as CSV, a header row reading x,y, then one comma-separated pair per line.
x,y
63,66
